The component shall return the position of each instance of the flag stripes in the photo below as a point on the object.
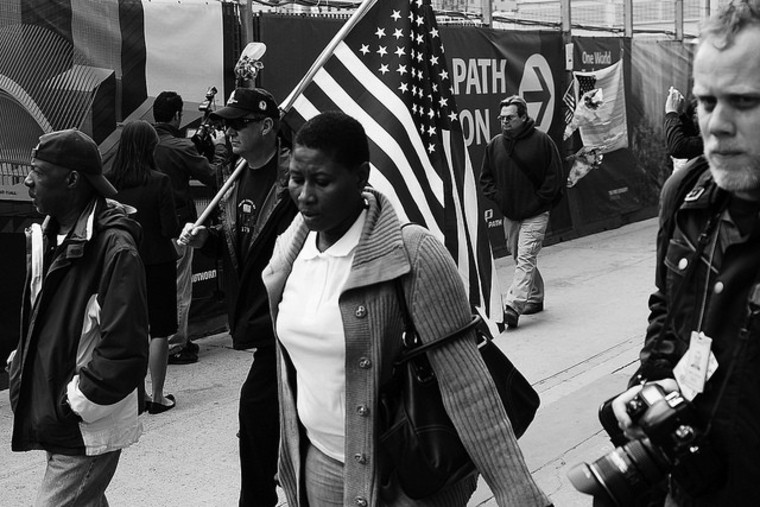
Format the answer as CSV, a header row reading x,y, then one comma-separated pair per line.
x,y
418,153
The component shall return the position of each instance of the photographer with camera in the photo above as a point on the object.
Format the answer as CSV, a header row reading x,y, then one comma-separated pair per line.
x,y
694,409
178,157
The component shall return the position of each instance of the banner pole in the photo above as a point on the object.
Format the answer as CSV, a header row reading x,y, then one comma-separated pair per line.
x,y
327,52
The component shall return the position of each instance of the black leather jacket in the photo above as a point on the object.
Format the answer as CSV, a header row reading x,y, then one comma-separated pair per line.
x,y
722,279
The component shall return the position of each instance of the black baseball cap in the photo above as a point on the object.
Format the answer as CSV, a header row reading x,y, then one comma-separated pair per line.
x,y
247,102
73,149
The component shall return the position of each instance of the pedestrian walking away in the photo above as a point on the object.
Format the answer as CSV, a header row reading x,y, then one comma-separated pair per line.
x,y
141,186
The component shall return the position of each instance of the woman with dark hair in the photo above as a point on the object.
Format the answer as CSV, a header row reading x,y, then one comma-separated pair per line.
x,y
135,176
331,284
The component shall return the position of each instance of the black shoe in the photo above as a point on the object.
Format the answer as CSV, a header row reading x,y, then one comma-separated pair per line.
x,y
184,356
158,408
510,317
531,308
192,347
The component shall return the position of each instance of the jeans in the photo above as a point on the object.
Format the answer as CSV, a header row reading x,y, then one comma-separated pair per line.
x,y
259,431
184,296
524,240
324,479
77,481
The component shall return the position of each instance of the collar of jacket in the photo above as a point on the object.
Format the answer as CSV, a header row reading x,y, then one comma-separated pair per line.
x,y
705,193
165,128
380,255
89,219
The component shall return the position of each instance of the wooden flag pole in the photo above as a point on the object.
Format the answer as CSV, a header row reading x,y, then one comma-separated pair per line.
x,y
223,190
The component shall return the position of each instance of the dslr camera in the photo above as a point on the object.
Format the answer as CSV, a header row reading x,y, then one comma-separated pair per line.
x,y
673,444
203,137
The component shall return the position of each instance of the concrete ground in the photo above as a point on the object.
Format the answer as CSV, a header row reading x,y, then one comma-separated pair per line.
x,y
577,353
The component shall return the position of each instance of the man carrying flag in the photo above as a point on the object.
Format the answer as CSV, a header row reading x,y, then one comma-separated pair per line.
x,y
255,210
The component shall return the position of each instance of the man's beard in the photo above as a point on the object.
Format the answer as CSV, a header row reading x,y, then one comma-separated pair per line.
x,y
744,177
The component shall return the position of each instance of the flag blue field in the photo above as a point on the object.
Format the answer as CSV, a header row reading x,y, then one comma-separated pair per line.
x,y
387,69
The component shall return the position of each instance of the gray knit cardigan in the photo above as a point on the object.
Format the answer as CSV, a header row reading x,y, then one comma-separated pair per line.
x,y
373,325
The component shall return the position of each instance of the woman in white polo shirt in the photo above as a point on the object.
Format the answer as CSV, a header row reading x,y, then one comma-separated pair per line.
x,y
338,324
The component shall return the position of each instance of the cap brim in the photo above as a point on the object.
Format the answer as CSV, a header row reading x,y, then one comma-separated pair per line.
x,y
229,113
101,185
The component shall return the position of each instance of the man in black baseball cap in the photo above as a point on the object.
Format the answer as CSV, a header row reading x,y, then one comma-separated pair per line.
x,y
248,103
74,150
257,209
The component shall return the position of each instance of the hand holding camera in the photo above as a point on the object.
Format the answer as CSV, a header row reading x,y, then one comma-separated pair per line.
x,y
631,403
667,439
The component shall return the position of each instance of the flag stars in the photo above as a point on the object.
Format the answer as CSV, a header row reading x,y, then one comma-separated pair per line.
x,y
396,15
400,51
444,75
380,32
364,49
434,33
398,33
431,148
452,116
401,70
419,21
420,38
443,102
403,87
383,69
434,60
431,131
382,50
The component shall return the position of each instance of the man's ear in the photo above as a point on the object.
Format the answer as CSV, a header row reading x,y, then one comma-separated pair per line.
x,y
268,126
72,179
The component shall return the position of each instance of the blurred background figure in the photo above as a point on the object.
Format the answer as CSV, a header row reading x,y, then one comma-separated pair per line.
x,y
681,129
139,184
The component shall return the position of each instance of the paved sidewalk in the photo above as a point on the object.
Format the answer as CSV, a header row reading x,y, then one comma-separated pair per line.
x,y
577,353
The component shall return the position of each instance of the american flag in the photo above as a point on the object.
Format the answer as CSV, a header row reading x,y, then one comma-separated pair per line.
x,y
388,71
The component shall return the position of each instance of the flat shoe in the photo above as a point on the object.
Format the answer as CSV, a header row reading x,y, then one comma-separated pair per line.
x,y
157,408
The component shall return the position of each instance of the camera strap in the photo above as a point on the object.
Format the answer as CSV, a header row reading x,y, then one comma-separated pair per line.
x,y
702,241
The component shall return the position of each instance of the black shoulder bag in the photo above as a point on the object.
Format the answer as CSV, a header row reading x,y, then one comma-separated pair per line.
x,y
418,441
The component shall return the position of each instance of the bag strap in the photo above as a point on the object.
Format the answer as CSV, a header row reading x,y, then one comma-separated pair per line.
x,y
413,347
512,155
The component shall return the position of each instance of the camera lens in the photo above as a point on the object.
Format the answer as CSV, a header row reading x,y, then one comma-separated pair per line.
x,y
622,475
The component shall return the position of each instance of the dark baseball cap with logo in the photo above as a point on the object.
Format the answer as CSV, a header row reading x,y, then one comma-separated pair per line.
x,y
247,103
75,150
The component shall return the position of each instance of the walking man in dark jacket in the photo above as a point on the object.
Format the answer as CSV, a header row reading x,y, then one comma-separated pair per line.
x,y
703,340
77,374
255,210
522,174
178,157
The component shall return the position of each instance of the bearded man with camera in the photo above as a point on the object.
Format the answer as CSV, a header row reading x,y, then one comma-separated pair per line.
x,y
703,338
692,415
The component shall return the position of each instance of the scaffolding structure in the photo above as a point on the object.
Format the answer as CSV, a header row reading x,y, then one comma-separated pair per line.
x,y
678,19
